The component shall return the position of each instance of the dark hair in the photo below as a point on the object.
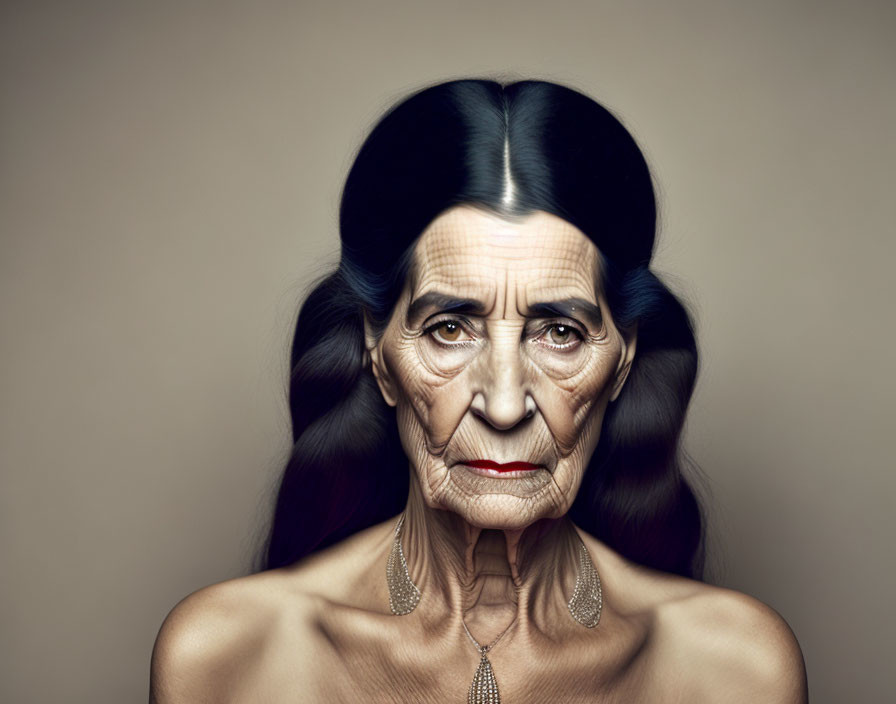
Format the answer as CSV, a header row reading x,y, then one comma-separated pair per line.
x,y
446,145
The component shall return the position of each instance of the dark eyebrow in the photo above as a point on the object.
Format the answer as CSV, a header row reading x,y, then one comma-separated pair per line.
x,y
570,308
444,304
567,308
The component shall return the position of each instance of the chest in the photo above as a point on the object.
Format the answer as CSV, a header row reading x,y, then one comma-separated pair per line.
x,y
356,658
516,683
396,667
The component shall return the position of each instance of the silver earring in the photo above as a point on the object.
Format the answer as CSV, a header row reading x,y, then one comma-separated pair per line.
x,y
403,593
587,600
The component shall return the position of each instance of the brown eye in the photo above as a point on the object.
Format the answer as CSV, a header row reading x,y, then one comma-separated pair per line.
x,y
449,331
446,331
560,334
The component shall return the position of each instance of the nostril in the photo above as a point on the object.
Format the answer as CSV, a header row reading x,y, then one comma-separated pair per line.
x,y
530,406
478,405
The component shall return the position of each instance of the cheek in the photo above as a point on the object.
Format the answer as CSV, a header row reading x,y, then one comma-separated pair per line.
x,y
574,420
573,407
576,461
431,403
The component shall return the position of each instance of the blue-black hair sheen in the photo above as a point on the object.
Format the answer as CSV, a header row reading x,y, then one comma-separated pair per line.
x,y
513,149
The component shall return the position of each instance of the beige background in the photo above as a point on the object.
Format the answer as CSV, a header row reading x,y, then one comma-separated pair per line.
x,y
169,181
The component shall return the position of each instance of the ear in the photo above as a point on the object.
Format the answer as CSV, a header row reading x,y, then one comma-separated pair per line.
x,y
373,355
629,338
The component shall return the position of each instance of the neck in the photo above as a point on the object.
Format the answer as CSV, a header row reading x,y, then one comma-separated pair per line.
x,y
490,578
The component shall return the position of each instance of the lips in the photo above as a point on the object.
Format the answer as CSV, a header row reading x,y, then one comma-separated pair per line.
x,y
507,467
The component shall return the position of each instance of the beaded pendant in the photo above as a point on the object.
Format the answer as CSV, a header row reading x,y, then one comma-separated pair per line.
x,y
484,688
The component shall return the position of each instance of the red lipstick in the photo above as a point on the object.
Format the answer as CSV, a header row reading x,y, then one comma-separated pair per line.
x,y
508,467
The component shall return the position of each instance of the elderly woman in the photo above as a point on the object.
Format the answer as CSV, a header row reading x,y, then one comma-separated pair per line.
x,y
485,499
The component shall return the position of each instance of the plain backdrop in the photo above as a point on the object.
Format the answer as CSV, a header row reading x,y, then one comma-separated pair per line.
x,y
169,181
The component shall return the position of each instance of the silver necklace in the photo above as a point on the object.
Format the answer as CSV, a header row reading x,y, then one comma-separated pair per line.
x,y
585,606
484,687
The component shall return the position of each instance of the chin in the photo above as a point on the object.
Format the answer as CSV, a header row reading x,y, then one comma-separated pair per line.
x,y
485,503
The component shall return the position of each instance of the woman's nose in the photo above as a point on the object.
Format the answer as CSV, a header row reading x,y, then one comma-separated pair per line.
x,y
502,399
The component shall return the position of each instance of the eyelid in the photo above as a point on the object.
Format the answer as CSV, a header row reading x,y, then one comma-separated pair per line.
x,y
440,318
548,323
577,330
434,323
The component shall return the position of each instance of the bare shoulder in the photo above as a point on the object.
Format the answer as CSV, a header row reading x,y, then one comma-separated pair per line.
x,y
725,646
234,639
222,632
704,643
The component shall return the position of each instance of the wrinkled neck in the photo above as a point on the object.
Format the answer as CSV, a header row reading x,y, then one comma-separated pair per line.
x,y
488,577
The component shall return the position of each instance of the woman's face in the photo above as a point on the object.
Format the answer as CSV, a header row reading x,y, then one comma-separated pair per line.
x,y
501,350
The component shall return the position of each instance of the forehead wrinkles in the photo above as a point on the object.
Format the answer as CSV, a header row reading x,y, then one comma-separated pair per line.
x,y
504,264
450,258
567,271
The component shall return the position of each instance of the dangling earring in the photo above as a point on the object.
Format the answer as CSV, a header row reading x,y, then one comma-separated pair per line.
x,y
587,599
403,593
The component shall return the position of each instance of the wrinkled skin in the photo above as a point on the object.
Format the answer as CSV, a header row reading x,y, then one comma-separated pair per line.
x,y
499,555
502,380
504,384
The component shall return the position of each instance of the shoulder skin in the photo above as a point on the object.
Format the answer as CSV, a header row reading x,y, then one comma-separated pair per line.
x,y
707,643
724,646
217,636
